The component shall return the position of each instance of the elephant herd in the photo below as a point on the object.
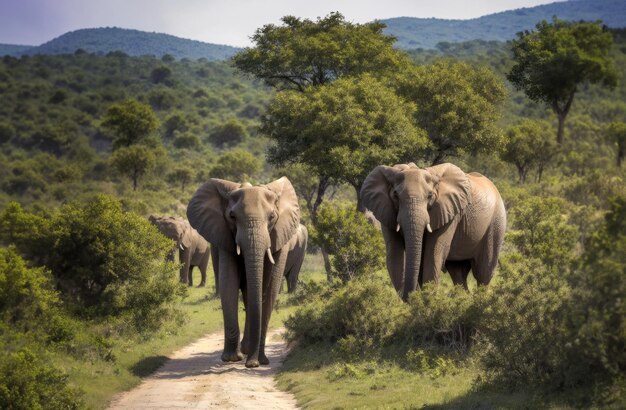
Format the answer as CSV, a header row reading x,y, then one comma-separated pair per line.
x,y
431,219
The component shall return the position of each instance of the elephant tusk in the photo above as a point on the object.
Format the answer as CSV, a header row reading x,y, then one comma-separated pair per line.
x,y
269,255
398,228
181,247
238,250
429,228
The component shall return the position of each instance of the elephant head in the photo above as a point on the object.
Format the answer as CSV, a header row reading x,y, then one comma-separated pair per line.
x,y
410,201
174,228
250,221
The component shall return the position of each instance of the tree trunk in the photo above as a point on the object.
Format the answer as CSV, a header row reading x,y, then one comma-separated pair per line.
x,y
321,190
561,113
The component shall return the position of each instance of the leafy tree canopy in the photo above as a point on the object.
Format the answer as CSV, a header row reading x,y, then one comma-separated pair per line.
x,y
131,121
301,52
529,144
134,162
553,61
237,165
457,105
343,130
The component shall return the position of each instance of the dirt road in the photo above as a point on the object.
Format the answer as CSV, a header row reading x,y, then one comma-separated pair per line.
x,y
196,378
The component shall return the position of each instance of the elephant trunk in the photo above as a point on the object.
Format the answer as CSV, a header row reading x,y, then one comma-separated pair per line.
x,y
414,224
254,244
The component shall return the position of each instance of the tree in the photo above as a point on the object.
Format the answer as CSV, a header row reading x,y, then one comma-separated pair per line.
x,y
356,246
182,175
553,61
457,105
528,144
236,165
228,134
134,162
343,130
303,53
160,74
130,121
616,134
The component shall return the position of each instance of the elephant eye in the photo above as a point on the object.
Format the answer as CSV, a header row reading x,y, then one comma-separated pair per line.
x,y
430,195
231,215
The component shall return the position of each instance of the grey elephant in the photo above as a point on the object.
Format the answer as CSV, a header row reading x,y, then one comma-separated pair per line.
x,y
259,240
435,217
193,249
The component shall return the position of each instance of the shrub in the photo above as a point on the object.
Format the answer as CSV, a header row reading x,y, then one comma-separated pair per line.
x,y
230,133
443,316
28,301
526,326
542,230
356,245
361,316
27,382
107,261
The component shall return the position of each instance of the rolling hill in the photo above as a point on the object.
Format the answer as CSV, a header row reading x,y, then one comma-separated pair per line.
x,y
427,32
131,42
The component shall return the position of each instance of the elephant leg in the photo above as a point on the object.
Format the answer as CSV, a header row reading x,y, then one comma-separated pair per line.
x,y
244,294
215,263
436,249
272,279
485,262
458,270
185,260
202,266
229,296
190,275
395,257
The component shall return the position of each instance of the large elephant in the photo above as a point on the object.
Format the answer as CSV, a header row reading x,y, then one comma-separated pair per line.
x,y
193,248
435,217
257,232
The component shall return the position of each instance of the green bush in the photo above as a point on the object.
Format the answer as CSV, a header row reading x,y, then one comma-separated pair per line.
x,y
361,316
106,261
29,304
356,245
443,316
27,382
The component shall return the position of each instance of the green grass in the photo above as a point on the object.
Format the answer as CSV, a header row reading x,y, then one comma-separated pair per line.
x,y
320,379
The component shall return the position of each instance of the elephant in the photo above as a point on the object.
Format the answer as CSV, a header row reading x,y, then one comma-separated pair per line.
x,y
193,248
434,218
257,233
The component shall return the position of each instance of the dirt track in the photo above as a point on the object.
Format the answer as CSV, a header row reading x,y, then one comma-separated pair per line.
x,y
196,378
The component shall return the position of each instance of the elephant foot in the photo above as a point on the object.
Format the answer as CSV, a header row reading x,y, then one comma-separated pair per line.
x,y
232,356
201,285
263,359
252,363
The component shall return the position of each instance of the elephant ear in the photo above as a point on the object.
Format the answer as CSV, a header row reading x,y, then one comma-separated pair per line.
x,y
206,212
453,194
375,194
288,213
187,234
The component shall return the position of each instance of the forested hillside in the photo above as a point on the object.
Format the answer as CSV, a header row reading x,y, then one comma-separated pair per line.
x,y
53,143
428,32
132,42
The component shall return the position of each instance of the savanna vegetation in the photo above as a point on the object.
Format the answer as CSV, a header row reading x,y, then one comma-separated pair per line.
x,y
91,144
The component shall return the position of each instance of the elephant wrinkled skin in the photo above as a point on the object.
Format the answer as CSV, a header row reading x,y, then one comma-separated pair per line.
x,y
193,249
436,217
257,235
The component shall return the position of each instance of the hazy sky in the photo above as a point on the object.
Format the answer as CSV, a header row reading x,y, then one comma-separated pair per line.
x,y
33,22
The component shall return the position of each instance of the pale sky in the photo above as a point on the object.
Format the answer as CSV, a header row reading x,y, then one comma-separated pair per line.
x,y
232,22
